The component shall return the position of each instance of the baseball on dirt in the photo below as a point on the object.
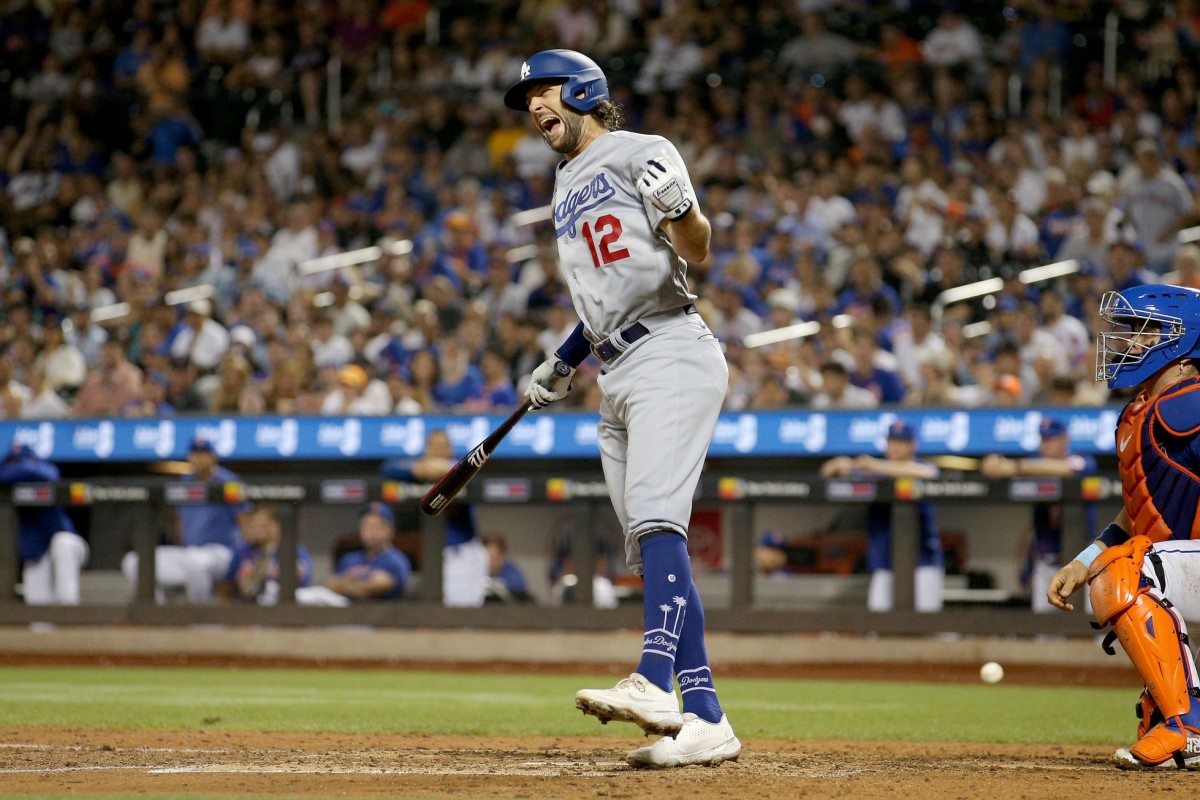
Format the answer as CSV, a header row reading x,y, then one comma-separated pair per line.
x,y
991,672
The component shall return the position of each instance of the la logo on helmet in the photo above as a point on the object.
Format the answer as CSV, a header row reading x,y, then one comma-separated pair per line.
x,y
525,70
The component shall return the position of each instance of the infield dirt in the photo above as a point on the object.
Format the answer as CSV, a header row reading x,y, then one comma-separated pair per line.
x,y
96,763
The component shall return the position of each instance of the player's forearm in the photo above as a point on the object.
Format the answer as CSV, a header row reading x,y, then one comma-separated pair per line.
x,y
1045,468
900,469
690,235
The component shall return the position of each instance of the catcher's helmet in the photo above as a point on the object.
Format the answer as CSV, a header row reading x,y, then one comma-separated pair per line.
x,y
1154,326
584,85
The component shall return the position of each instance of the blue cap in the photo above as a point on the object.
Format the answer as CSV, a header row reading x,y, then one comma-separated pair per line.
x,y
382,509
772,539
901,430
19,451
201,445
1052,426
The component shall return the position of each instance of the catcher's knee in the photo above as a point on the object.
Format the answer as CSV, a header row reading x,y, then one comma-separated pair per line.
x,y
1115,578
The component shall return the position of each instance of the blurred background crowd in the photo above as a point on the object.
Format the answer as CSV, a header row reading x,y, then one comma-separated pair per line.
x,y
177,180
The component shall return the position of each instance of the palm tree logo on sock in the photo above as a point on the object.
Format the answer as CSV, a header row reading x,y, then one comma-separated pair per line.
x,y
666,638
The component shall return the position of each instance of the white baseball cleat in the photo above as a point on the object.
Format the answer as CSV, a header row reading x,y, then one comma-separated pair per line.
x,y
699,742
633,699
1190,755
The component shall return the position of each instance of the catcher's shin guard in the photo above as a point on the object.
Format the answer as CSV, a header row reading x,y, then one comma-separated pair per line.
x,y
1155,639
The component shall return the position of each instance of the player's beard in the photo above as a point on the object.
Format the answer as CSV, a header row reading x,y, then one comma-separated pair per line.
x,y
572,133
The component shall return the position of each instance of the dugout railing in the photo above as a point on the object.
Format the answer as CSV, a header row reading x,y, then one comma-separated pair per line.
x,y
738,493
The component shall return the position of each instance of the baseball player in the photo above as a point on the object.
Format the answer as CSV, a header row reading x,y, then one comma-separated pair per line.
x,y
1054,460
209,534
899,461
1143,571
52,553
627,221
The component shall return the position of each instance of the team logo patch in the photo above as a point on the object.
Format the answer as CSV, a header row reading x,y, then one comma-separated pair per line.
x,y
594,193
525,70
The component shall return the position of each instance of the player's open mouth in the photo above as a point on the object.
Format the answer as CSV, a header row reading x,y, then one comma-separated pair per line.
x,y
550,125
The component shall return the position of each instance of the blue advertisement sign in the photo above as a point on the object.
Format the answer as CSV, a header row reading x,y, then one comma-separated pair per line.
x,y
799,433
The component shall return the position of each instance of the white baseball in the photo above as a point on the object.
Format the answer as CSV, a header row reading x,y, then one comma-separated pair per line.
x,y
991,672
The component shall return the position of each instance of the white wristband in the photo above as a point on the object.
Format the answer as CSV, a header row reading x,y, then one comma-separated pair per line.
x,y
1089,554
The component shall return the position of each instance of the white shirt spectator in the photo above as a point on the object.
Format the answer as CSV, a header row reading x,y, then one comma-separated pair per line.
x,y
952,42
350,317
1011,239
882,115
224,35
288,248
335,351
64,367
46,405
203,349
375,401
831,213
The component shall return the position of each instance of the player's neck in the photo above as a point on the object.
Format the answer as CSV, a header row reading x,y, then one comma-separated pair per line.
x,y
1169,377
591,132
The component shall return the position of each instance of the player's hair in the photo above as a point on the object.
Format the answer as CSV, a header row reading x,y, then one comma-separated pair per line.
x,y
270,510
609,114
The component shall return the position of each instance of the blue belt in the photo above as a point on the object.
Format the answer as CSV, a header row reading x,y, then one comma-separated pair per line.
x,y
606,351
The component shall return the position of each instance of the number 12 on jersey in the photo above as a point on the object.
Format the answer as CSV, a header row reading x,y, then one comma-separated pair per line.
x,y
602,242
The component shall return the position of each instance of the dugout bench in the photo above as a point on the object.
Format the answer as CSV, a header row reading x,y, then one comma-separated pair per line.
x,y
738,492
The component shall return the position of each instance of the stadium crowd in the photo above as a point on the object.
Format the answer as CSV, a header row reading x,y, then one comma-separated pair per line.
x,y
173,173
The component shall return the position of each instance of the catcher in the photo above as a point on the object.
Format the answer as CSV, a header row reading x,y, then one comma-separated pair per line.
x,y
1143,571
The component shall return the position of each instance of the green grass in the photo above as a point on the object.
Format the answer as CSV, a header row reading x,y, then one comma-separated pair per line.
x,y
348,701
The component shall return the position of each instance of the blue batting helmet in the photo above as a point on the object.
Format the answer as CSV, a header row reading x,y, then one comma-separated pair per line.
x,y
1154,326
584,84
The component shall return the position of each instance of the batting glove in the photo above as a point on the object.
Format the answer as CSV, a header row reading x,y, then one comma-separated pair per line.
x,y
549,382
664,185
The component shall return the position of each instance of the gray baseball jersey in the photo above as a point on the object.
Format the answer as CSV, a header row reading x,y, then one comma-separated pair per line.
x,y
617,265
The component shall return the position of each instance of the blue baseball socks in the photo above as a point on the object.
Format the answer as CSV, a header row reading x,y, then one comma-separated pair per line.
x,y
674,626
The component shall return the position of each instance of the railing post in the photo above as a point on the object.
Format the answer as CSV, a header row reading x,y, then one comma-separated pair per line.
x,y
904,553
10,558
289,539
433,538
144,545
741,532
583,552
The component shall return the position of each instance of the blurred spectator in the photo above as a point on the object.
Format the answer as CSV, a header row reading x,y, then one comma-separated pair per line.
x,y
770,555
199,338
376,572
464,558
52,553
253,574
1053,460
205,541
1157,202
506,581
899,461
838,392
357,394
110,386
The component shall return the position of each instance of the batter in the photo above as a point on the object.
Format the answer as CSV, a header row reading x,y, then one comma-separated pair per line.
x,y
627,222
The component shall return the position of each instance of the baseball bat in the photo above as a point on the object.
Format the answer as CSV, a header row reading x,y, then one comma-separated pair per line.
x,y
454,481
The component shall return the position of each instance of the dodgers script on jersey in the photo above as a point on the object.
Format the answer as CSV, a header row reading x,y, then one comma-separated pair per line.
x,y
618,266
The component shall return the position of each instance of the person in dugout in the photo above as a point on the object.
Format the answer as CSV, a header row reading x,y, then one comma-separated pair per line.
x,y
899,461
